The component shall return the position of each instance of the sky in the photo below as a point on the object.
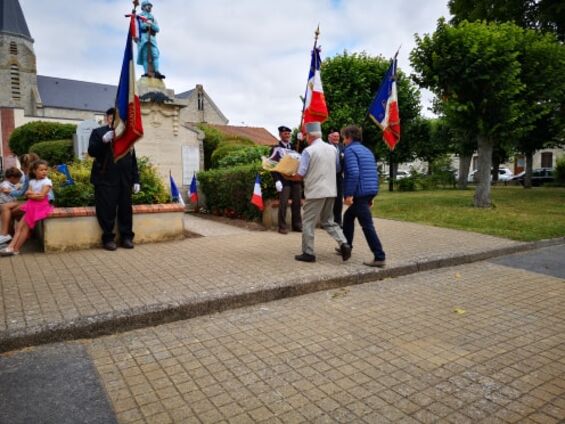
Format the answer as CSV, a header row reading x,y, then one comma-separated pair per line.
x,y
251,56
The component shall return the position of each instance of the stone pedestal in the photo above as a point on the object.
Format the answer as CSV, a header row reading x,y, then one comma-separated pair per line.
x,y
170,145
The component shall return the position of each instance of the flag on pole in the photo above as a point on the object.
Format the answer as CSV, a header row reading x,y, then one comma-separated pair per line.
x,y
64,169
175,193
315,108
257,198
384,109
127,120
192,191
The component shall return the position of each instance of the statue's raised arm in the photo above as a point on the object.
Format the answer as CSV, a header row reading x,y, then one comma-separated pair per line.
x,y
147,50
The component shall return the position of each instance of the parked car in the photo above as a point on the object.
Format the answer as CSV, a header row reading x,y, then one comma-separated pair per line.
x,y
504,174
402,174
539,176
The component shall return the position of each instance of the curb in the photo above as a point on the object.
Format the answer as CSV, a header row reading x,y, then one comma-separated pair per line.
x,y
146,316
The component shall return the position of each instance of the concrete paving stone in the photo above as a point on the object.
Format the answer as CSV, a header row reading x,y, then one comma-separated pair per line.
x,y
53,296
329,327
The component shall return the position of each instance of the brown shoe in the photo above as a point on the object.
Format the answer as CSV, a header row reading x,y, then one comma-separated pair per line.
x,y
283,231
375,263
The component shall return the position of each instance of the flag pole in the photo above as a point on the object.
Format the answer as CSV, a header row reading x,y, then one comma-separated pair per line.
x,y
316,35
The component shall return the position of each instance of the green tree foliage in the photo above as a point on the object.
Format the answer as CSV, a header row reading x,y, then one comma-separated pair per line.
x,y
22,138
350,83
547,15
226,148
474,71
55,152
542,60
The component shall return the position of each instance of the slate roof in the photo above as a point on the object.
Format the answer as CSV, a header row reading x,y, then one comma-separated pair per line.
x,y
186,94
77,95
258,135
12,19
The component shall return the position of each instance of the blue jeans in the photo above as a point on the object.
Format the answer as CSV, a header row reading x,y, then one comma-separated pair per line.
x,y
361,210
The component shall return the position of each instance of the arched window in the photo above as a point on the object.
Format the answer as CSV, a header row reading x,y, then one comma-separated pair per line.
x,y
15,82
13,48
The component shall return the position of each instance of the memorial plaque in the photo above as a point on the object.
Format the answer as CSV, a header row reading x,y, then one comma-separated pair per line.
x,y
81,137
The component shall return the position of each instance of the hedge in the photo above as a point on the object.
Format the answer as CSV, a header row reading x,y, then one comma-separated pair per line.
x,y
228,191
27,135
82,192
244,155
55,152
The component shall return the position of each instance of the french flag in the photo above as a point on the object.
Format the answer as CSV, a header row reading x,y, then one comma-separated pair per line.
x,y
175,193
192,190
257,198
384,109
315,108
127,122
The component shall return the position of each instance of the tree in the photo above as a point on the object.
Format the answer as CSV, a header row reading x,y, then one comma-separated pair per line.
x,y
542,60
473,69
546,15
350,83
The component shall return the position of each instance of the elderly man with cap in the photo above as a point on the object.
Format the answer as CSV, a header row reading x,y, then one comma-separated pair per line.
x,y
285,187
318,166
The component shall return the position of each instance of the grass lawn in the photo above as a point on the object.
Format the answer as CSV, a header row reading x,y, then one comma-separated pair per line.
x,y
518,214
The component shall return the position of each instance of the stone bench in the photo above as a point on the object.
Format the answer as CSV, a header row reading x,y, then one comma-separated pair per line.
x,y
77,228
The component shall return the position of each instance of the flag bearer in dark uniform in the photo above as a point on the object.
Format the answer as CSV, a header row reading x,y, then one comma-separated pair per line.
x,y
113,183
286,188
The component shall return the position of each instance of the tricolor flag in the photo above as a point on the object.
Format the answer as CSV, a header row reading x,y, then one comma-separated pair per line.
x,y
175,193
257,198
127,120
192,191
384,109
315,109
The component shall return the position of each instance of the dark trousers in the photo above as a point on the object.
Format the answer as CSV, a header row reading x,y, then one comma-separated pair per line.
x,y
112,201
361,209
338,204
293,191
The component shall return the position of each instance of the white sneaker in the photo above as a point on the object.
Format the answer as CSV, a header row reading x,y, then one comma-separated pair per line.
x,y
8,252
5,239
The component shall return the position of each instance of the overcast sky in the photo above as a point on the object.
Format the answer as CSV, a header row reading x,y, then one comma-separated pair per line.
x,y
251,56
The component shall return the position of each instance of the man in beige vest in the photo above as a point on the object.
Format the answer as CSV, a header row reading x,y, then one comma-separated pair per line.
x,y
318,166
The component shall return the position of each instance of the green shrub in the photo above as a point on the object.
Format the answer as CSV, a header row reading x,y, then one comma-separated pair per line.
x,y
27,135
55,152
212,138
560,170
226,148
243,156
82,192
228,191
407,184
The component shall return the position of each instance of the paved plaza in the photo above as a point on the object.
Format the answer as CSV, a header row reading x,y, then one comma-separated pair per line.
x,y
439,342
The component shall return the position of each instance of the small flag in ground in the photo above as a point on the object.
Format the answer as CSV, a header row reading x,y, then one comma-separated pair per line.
x,y
175,194
64,169
257,198
192,191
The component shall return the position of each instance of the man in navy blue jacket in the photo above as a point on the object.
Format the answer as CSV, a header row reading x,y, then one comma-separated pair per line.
x,y
360,186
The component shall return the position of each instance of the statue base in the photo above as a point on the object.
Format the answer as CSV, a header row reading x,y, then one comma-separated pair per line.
x,y
149,84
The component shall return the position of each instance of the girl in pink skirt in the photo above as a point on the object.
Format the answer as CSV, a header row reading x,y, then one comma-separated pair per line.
x,y
35,209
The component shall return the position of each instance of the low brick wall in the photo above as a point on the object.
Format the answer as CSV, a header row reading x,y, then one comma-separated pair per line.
x,y
271,214
77,228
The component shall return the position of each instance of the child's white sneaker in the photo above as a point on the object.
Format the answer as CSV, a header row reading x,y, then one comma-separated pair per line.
x,y
8,252
5,239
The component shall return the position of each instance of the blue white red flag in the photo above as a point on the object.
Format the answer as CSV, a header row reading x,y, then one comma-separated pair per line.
x,y
257,198
315,108
175,193
127,121
192,191
384,109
